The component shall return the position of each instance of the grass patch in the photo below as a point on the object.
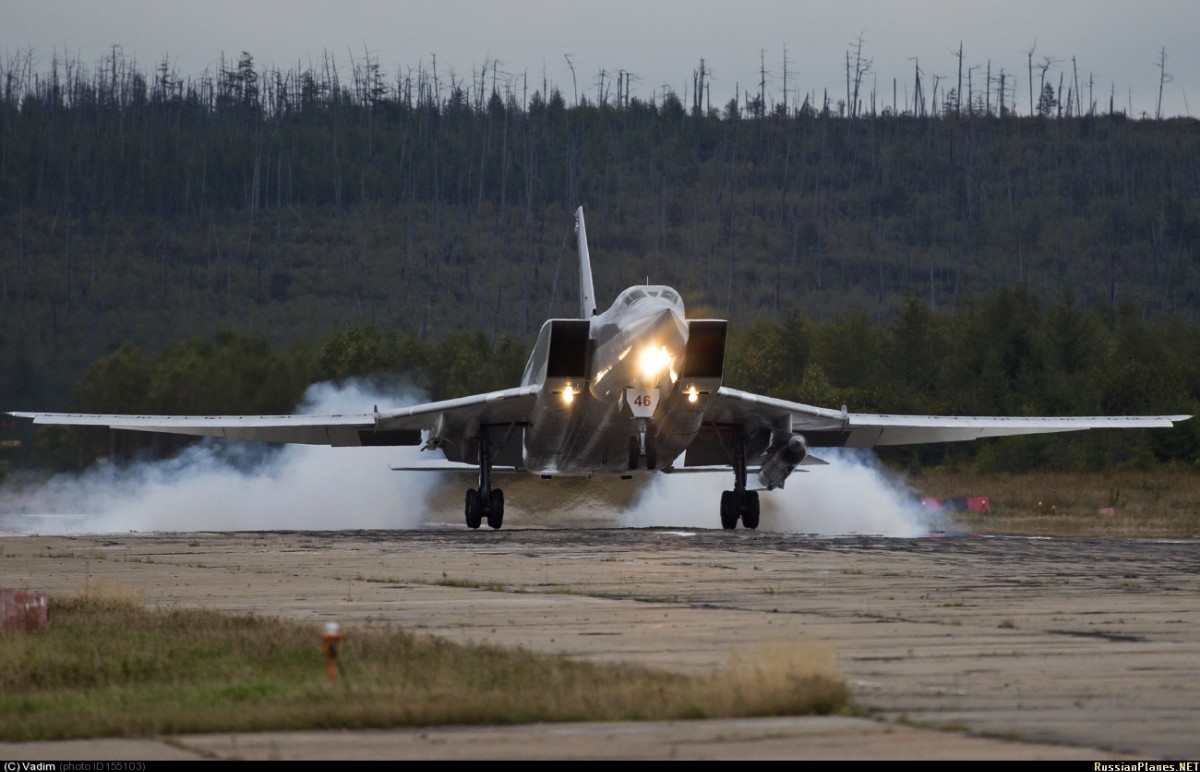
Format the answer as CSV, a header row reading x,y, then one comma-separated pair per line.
x,y
109,666
1163,502
471,584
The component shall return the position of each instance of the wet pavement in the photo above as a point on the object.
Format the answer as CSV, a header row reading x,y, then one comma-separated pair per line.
x,y
955,646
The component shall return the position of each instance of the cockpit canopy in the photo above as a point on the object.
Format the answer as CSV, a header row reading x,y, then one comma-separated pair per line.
x,y
634,295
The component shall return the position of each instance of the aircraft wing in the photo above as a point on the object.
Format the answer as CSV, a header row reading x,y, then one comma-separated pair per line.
x,y
395,426
823,427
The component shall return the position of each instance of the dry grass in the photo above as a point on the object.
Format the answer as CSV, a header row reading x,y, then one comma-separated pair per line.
x,y
1161,503
108,666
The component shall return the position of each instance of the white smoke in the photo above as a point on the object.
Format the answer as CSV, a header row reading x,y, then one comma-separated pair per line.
x,y
217,485
852,495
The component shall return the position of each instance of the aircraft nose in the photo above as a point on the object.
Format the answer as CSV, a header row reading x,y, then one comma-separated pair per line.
x,y
665,338
671,330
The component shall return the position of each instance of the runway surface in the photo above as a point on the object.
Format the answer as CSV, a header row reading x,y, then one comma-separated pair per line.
x,y
1010,648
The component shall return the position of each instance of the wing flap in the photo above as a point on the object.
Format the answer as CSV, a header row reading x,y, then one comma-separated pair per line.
x,y
823,427
337,430
397,426
507,406
867,430
450,466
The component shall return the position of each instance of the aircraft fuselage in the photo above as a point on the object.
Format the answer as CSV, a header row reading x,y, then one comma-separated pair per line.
x,y
584,422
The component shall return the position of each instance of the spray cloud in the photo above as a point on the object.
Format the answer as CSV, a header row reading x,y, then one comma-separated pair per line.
x,y
852,495
217,485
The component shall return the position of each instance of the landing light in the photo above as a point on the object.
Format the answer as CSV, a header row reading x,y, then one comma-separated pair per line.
x,y
652,361
568,395
693,395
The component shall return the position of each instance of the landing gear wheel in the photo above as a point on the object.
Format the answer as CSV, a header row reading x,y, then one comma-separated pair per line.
x,y
750,510
474,508
651,453
739,503
495,515
729,516
634,452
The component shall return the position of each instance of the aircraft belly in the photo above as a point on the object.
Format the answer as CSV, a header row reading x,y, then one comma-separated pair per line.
x,y
572,446
596,443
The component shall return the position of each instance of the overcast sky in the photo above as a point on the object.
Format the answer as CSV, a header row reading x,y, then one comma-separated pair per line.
x,y
1114,44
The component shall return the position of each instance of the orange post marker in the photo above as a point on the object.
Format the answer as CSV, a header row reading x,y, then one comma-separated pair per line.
x,y
331,641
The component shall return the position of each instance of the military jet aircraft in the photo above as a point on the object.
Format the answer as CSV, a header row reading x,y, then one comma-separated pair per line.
x,y
632,390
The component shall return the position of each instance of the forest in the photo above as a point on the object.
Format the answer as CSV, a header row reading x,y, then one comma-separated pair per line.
x,y
215,243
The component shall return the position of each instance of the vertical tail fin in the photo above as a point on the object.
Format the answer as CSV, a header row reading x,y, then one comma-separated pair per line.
x,y
587,293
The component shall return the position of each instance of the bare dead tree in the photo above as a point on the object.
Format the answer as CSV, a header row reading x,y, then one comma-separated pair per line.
x,y
1164,78
847,76
762,81
958,93
1075,77
437,91
574,85
1047,63
987,99
1029,56
785,79
918,97
970,91
629,78
861,68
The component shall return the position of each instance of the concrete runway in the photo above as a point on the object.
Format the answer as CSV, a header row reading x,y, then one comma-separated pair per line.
x,y
959,647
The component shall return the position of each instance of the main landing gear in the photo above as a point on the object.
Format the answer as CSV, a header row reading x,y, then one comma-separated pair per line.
x,y
486,502
739,503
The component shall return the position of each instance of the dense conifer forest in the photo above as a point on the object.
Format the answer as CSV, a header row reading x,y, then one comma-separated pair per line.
x,y
215,243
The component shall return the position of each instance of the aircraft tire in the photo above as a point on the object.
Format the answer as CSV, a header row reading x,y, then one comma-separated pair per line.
x,y
474,508
495,515
728,512
750,510
651,453
634,452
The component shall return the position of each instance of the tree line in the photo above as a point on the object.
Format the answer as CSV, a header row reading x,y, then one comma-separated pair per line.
x,y
146,208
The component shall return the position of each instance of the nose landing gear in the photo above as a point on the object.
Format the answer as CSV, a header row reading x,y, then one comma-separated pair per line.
x,y
642,446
